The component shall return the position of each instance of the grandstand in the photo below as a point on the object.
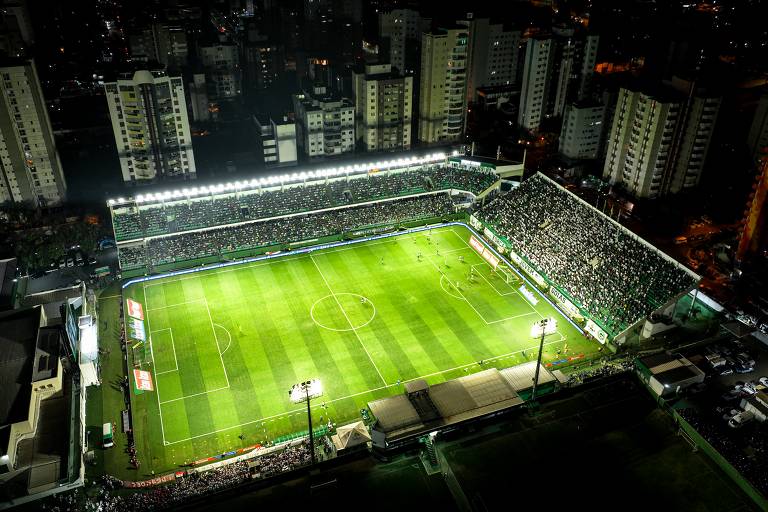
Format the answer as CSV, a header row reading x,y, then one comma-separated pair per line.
x,y
596,268
256,216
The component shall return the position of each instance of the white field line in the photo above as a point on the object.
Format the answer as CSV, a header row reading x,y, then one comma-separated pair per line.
x,y
347,317
195,394
442,274
229,335
494,286
173,347
152,354
216,338
191,301
353,395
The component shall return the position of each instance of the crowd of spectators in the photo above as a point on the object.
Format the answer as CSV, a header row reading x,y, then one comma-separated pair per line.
x,y
219,241
221,209
188,487
608,271
745,449
599,370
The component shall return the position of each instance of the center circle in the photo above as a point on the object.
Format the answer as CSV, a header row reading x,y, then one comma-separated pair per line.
x,y
342,311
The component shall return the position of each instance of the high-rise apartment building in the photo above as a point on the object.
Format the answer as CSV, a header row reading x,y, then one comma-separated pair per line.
x,y
558,69
494,55
582,130
443,87
757,141
658,141
222,69
30,170
325,123
278,140
383,102
400,31
159,42
151,127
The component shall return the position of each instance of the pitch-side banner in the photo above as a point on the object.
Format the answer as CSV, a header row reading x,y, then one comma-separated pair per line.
x,y
143,380
135,310
593,329
483,251
520,262
136,328
569,307
475,223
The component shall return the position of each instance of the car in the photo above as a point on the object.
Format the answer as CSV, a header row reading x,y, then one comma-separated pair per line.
x,y
730,413
741,419
763,380
748,389
62,262
91,260
726,371
70,262
79,259
745,359
741,368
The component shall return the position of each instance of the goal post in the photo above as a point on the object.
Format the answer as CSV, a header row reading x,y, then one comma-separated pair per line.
x,y
506,274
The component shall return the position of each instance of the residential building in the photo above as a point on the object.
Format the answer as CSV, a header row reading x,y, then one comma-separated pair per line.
x,y
325,123
198,98
659,140
30,169
758,132
383,103
558,69
443,84
582,129
151,127
400,31
222,69
494,56
159,42
278,141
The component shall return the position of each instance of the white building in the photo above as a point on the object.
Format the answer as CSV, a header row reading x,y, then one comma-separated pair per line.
x,y
401,31
659,141
30,170
198,98
558,69
443,87
383,102
149,120
222,69
278,141
325,123
494,55
582,128
166,44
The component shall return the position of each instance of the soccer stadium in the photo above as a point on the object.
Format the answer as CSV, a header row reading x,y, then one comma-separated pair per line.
x,y
410,293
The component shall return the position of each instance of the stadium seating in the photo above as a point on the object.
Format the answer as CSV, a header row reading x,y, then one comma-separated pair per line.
x,y
183,215
613,275
253,235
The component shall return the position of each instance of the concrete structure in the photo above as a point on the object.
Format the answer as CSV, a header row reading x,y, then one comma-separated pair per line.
x,y
166,44
149,120
400,31
558,69
325,123
383,103
443,85
278,141
198,98
494,58
758,132
582,129
30,170
222,70
668,374
659,141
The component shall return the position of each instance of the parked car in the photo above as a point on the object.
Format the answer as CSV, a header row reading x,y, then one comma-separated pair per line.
x,y
70,262
91,260
741,419
763,380
79,259
728,414
726,371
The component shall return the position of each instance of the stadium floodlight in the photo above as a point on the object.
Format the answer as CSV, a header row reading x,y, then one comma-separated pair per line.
x,y
120,199
140,198
455,153
305,392
177,193
111,202
548,325
302,175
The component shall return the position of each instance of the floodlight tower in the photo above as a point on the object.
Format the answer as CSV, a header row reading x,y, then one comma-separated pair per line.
x,y
305,392
538,359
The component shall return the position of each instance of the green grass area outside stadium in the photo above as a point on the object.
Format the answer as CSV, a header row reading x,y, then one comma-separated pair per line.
x,y
226,344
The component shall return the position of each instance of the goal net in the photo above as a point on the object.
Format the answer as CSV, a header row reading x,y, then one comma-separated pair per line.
x,y
507,275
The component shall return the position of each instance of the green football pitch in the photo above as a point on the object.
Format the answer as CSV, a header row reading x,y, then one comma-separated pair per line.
x,y
225,345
